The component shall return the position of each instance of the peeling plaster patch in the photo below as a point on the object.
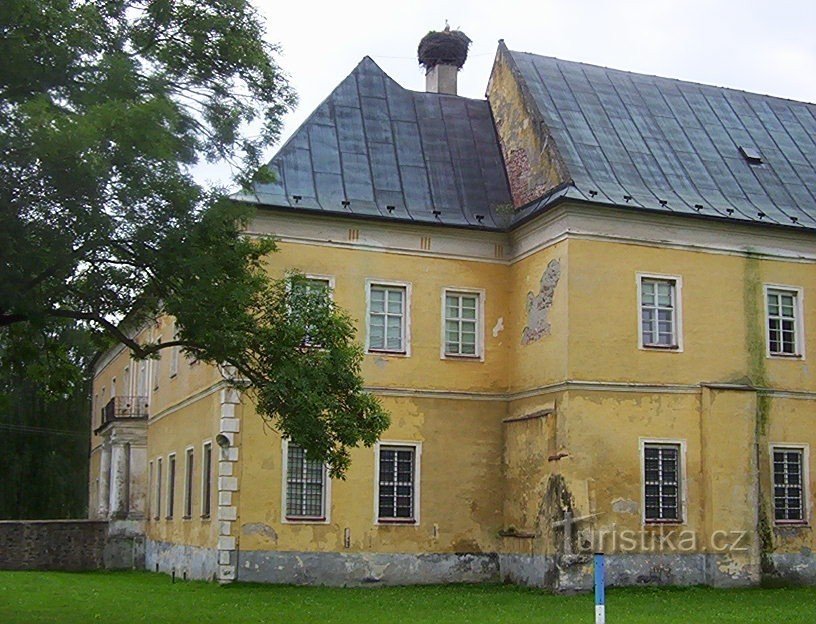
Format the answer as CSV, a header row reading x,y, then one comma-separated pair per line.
x,y
538,305
259,528
380,362
620,505
499,327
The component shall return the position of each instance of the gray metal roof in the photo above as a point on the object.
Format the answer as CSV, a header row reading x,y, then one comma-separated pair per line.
x,y
375,149
659,144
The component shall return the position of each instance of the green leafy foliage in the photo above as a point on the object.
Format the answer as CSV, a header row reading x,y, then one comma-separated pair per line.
x,y
104,109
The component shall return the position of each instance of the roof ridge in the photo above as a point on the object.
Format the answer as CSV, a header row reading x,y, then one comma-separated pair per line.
x,y
659,77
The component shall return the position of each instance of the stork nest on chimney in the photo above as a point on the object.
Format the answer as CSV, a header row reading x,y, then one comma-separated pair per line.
x,y
447,47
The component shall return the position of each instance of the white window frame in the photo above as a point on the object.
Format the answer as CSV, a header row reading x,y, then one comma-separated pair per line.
x,y
642,443
480,308
170,494
327,483
417,446
806,505
406,317
189,470
678,311
149,497
798,322
205,476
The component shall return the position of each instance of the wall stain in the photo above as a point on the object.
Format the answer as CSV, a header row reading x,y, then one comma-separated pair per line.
x,y
538,305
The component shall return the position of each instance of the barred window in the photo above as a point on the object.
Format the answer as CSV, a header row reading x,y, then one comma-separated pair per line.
x,y
305,485
386,318
461,324
782,322
788,476
661,479
658,312
171,485
188,484
397,474
206,480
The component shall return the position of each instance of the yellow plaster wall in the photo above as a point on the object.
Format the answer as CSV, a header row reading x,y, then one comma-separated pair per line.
x,y
424,369
192,425
722,309
460,485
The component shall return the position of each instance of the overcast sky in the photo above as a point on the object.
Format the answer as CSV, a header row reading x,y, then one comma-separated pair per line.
x,y
761,46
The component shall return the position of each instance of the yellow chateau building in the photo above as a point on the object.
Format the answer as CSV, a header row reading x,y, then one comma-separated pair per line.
x,y
586,302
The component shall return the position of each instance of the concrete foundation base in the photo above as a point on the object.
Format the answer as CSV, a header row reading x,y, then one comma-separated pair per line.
x,y
354,569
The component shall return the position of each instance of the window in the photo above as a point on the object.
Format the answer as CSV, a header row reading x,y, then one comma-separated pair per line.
x,y
305,485
188,484
312,285
789,481
661,482
462,332
659,312
784,314
174,354
206,480
171,484
155,367
388,318
397,477
158,488
149,488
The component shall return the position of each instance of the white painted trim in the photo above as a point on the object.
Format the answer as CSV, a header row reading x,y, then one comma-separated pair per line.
x,y
798,326
326,491
203,480
480,324
406,318
326,278
149,497
642,442
417,446
678,311
160,476
201,394
808,507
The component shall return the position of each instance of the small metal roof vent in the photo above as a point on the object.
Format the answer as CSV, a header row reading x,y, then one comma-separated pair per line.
x,y
751,154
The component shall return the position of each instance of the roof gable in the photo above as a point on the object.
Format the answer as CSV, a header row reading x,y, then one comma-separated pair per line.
x,y
375,149
662,144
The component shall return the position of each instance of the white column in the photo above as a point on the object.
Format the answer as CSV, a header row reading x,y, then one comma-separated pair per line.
x,y
119,480
104,481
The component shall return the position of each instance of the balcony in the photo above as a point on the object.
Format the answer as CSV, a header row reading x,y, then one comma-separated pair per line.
x,y
123,407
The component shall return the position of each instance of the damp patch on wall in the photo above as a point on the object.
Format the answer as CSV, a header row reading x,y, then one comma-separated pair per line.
x,y
538,305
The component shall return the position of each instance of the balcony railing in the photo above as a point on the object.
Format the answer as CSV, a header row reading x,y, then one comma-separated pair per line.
x,y
124,407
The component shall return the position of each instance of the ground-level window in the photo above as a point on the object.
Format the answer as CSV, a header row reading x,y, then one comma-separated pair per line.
x,y
783,322
659,312
158,488
206,480
789,477
188,484
305,485
387,318
661,482
396,483
171,484
149,489
461,318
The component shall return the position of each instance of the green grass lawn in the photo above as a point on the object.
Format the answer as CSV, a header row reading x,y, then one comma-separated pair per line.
x,y
123,597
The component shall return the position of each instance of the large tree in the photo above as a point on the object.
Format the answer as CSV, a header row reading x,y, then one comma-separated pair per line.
x,y
105,106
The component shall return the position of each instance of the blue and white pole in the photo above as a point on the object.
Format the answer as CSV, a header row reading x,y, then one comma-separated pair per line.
x,y
600,590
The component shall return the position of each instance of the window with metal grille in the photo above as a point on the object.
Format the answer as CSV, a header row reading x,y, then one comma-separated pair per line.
x,y
782,322
788,476
386,318
396,494
206,480
658,312
158,487
305,486
461,324
661,481
188,484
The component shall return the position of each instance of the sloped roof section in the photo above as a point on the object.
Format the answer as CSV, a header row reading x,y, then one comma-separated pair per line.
x,y
375,149
660,144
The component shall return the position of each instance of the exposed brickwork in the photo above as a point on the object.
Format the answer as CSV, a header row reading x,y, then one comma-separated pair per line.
x,y
52,544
